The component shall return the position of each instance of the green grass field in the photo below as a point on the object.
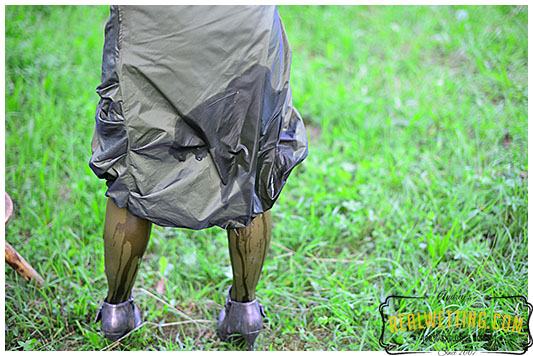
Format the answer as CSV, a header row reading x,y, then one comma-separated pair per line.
x,y
416,182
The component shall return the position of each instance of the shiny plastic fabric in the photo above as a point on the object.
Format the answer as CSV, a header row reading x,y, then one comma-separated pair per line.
x,y
195,125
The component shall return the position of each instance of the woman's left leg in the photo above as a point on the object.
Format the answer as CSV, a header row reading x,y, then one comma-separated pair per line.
x,y
125,239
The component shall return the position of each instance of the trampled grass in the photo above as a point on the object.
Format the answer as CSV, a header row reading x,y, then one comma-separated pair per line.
x,y
416,182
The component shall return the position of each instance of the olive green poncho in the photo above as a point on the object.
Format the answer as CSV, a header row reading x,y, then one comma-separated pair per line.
x,y
195,126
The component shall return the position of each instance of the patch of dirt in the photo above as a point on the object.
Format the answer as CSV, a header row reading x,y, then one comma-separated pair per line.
x,y
506,140
314,133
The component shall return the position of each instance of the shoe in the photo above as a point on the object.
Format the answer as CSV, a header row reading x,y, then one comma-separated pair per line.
x,y
118,319
240,320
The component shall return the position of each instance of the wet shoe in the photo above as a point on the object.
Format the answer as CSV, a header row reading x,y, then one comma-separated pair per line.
x,y
118,319
239,321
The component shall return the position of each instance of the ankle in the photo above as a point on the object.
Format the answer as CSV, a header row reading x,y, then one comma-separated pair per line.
x,y
239,296
118,299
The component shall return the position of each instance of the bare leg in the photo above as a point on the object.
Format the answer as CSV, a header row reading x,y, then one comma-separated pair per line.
x,y
248,247
125,239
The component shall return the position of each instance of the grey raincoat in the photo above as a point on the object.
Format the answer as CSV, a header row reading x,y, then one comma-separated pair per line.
x,y
195,125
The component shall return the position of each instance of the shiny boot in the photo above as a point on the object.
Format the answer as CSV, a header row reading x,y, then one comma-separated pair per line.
x,y
240,320
118,319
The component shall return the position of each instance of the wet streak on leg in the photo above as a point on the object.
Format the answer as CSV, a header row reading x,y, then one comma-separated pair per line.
x,y
248,247
125,239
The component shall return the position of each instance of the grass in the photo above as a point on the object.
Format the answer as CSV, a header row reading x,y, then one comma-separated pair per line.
x,y
416,182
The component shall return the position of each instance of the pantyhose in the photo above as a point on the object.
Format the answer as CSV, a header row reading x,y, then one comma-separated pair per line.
x,y
126,237
247,248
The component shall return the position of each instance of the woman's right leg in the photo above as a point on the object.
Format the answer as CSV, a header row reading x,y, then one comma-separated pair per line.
x,y
247,249
242,314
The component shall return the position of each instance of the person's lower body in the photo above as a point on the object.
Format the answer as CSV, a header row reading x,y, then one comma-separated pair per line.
x,y
125,239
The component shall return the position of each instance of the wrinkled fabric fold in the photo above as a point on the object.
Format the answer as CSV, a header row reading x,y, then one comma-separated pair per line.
x,y
195,126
